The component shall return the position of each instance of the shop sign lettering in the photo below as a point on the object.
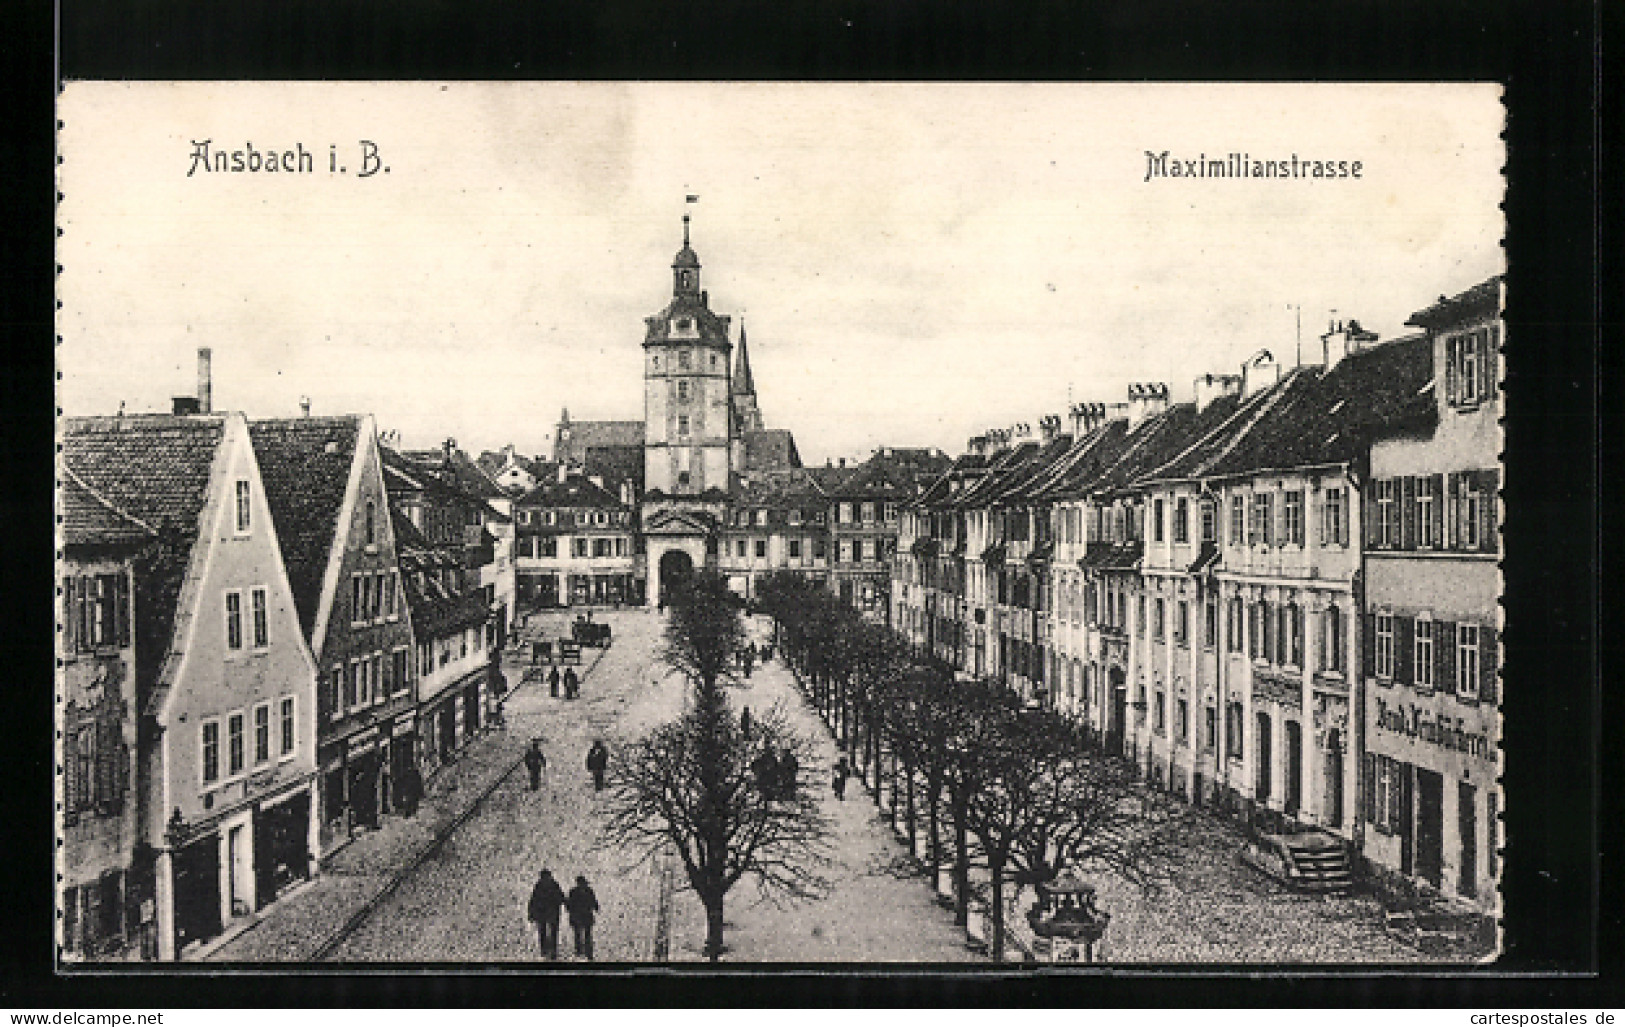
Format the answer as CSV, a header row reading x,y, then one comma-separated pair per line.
x,y
1419,724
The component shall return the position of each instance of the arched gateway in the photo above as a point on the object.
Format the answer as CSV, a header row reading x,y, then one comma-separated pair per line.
x,y
676,567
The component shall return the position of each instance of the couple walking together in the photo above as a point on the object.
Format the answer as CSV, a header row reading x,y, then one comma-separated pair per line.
x,y
597,763
547,899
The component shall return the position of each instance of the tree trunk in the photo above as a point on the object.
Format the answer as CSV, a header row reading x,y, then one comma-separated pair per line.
x,y
961,865
713,927
933,805
996,908
908,783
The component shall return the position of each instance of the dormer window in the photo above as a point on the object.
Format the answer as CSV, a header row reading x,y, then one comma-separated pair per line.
x,y
682,324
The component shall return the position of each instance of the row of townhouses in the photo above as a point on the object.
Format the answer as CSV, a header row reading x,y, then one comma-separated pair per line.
x,y
1280,598
270,634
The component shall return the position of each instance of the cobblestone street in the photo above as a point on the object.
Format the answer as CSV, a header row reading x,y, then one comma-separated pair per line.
x,y
466,900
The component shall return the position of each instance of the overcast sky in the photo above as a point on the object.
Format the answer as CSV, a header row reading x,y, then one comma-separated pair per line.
x,y
915,263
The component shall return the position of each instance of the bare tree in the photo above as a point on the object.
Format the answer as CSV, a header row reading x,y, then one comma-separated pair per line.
x,y
695,784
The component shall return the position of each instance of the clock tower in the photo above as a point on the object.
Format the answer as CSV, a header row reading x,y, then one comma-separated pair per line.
x,y
687,415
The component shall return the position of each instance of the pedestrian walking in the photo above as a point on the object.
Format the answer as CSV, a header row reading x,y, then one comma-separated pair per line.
x,y
789,772
744,722
583,906
572,684
838,781
747,658
546,899
553,682
597,763
535,763
766,769
409,789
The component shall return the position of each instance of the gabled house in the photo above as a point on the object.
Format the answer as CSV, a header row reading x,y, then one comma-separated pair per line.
x,y
106,870
325,486
864,511
224,685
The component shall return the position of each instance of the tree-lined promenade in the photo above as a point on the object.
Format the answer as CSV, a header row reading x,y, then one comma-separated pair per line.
x,y
1020,792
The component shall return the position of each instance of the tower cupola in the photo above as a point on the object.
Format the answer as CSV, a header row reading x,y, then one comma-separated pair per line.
x,y
685,268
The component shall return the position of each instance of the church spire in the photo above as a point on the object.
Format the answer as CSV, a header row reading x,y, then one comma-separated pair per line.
x,y
744,382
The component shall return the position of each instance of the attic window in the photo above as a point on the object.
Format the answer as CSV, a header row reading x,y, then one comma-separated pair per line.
x,y
682,324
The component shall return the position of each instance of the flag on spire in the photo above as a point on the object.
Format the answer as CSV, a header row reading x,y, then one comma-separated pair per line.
x,y
693,198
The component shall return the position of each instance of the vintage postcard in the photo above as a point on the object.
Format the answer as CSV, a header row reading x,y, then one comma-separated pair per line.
x,y
541,524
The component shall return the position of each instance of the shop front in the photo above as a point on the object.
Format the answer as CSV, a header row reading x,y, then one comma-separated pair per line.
x,y
1430,796
281,845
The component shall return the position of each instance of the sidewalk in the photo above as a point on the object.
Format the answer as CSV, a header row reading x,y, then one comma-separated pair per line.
x,y
877,910
297,926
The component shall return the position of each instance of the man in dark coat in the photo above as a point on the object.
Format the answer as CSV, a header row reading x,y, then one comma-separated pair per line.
x,y
766,769
553,682
583,909
545,901
597,763
535,762
789,771
838,780
571,683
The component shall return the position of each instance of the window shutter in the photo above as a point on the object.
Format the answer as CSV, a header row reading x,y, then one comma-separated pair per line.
x,y
1489,665
1437,506
70,770
1407,511
81,610
122,614
1452,359
1404,650
1368,521
1368,788
1488,484
1345,513
107,747
1489,361
70,637
1368,646
1452,510
1444,655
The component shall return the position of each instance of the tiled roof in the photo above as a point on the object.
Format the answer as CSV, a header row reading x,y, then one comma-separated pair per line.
x,y
1330,417
794,487
893,474
831,478
90,520
577,491
1018,486
155,468
614,464
305,466
429,472
963,466
1090,457
1482,300
1002,469
770,449
711,328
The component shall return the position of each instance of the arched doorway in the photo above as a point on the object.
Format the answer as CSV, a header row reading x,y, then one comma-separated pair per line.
x,y
1116,727
1294,767
676,567
1265,748
1334,778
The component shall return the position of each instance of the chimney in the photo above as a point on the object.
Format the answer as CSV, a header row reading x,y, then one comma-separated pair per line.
x,y
1086,417
976,445
448,447
1259,373
1049,427
205,380
1342,339
304,406
843,461
1210,387
185,405
1145,401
